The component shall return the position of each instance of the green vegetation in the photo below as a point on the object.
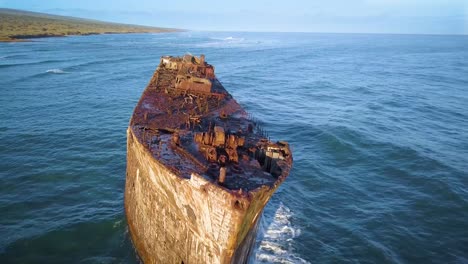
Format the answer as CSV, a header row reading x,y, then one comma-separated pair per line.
x,y
18,25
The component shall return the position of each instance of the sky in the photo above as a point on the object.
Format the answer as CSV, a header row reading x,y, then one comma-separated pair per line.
x,y
338,16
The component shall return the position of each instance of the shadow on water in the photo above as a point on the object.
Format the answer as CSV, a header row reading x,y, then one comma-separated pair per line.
x,y
104,241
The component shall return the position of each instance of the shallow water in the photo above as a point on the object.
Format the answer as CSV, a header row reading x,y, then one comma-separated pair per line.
x,y
378,125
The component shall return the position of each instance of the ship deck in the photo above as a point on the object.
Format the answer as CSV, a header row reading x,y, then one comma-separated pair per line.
x,y
181,128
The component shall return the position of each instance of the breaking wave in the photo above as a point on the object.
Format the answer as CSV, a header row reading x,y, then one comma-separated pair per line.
x,y
233,39
225,42
229,39
274,243
56,71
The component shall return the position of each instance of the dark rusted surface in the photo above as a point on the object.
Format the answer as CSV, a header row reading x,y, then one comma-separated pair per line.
x,y
191,124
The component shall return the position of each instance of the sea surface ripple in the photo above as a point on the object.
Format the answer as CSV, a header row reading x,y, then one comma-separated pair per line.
x,y
378,125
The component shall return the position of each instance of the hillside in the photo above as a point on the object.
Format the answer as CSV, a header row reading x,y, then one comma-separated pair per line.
x,y
18,25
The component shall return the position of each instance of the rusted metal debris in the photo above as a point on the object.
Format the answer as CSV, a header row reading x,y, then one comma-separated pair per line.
x,y
193,125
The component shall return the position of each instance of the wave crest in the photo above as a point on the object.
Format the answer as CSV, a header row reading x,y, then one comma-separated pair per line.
x,y
56,71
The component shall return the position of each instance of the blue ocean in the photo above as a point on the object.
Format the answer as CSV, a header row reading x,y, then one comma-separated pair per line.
x,y
378,125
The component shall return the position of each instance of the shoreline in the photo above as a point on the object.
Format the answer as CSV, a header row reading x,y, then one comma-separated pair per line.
x,y
30,38
23,26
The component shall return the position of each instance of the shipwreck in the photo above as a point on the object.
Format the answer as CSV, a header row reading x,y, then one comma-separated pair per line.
x,y
200,169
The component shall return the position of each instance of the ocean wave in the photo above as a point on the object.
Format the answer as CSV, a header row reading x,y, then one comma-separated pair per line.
x,y
228,38
276,238
14,56
56,71
226,41
93,63
14,64
233,39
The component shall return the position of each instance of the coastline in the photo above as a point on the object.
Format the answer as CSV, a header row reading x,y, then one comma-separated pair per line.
x,y
30,38
23,26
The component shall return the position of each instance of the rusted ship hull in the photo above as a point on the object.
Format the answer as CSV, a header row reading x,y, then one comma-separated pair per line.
x,y
183,215
174,220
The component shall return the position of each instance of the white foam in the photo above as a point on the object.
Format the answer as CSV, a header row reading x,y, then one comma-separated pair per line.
x,y
230,38
276,238
57,71
227,42
117,224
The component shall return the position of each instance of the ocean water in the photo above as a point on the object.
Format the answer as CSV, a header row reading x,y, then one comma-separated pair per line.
x,y
378,125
